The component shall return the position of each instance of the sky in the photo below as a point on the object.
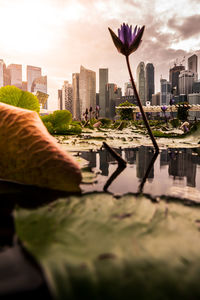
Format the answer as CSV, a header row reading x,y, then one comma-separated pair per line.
x,y
61,35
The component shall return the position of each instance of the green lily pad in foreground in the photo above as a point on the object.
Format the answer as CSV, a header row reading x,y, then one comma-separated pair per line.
x,y
99,247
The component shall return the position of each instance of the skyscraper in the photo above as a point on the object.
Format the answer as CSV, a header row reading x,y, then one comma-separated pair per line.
x,y
186,79
103,81
32,74
15,72
67,96
192,63
76,101
1,72
40,84
150,87
112,93
128,89
87,90
60,99
174,78
141,81
165,92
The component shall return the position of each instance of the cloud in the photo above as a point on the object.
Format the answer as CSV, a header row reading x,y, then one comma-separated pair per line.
x,y
186,27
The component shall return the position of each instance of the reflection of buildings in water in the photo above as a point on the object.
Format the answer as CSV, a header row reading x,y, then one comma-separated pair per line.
x,y
130,155
105,157
90,157
144,156
181,165
164,158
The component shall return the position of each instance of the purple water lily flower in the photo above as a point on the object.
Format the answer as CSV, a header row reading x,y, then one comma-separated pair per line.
x,y
164,108
127,40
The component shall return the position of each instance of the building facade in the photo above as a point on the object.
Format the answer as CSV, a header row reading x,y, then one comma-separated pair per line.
x,y
67,96
15,72
156,99
128,89
32,73
193,65
150,85
60,100
76,99
103,81
87,90
165,92
141,82
186,79
174,78
196,87
194,98
112,93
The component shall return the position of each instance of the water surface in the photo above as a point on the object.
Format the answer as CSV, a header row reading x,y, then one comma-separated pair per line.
x,y
176,172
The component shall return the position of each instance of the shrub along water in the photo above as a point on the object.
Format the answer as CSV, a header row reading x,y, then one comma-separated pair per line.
x,y
60,122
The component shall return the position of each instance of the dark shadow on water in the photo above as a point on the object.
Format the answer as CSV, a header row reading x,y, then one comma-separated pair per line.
x,y
115,174
152,162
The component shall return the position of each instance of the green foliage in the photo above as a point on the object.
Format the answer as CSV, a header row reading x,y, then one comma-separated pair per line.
x,y
175,123
158,133
93,121
75,129
182,113
126,113
49,127
16,97
105,122
98,247
60,118
60,122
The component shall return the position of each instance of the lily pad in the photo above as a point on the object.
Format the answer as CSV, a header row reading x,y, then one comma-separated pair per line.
x,y
100,247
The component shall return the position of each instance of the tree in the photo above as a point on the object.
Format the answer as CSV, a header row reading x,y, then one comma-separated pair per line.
x,y
182,113
126,113
60,118
13,96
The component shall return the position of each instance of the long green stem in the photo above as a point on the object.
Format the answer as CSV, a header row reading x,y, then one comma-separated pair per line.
x,y
141,108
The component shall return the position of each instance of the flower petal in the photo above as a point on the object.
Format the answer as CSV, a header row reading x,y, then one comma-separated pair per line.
x,y
137,40
118,43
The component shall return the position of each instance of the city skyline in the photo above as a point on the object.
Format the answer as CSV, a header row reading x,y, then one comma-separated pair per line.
x,y
68,34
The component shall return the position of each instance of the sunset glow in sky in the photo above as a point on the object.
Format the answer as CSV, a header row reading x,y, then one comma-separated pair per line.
x,y
60,35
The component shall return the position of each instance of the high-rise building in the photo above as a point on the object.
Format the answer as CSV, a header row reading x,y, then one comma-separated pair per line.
x,y
156,99
15,72
4,74
1,72
186,79
150,86
67,96
196,87
165,92
112,93
194,98
40,85
87,90
103,81
32,74
141,82
174,78
76,100
60,100
193,65
128,89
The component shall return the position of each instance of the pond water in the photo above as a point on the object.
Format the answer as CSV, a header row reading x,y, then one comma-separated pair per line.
x,y
175,172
